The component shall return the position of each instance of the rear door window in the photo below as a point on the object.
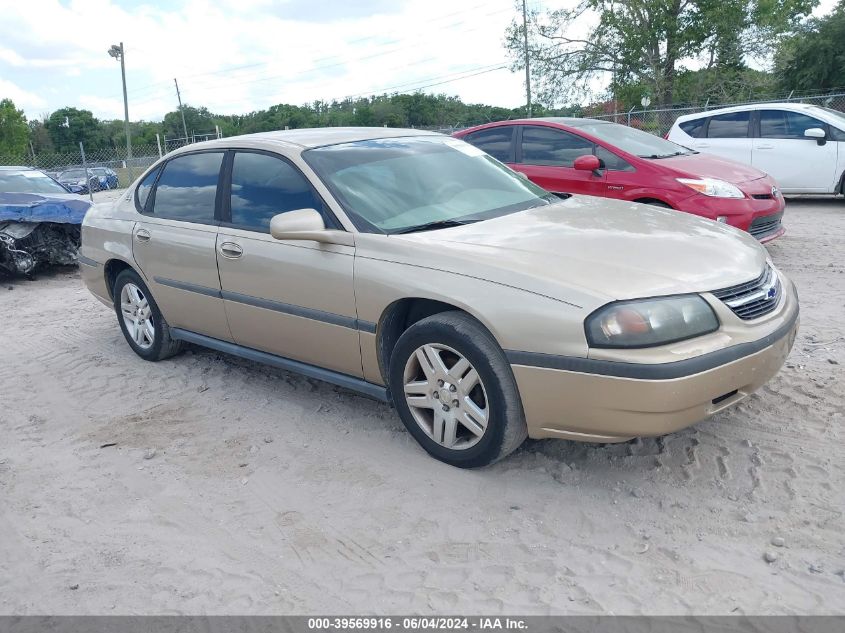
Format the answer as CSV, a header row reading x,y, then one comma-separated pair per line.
x,y
548,146
497,141
187,188
731,125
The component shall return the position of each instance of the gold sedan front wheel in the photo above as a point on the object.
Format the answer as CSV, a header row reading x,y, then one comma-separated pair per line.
x,y
455,392
446,396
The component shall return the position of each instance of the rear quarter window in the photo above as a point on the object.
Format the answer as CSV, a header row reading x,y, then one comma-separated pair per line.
x,y
694,127
498,142
142,192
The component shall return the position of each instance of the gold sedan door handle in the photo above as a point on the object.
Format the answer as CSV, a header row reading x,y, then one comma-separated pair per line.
x,y
230,250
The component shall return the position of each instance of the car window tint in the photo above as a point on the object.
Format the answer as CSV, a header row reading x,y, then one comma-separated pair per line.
x,y
836,134
546,146
142,193
264,186
732,125
611,161
187,188
496,142
784,124
693,128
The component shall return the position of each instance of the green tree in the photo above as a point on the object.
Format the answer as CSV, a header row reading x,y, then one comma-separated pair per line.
x,y
644,41
14,131
39,136
197,120
814,57
68,127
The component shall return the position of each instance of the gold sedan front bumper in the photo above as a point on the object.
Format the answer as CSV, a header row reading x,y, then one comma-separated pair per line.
x,y
580,400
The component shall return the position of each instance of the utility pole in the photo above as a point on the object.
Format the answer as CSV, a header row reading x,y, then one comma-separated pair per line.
x,y
118,53
181,110
525,48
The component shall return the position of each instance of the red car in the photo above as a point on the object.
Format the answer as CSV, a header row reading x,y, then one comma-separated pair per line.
x,y
599,158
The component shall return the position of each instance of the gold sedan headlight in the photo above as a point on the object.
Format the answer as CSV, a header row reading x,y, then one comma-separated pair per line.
x,y
650,322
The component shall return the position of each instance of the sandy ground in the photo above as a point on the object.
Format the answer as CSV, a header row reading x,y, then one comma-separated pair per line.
x,y
268,493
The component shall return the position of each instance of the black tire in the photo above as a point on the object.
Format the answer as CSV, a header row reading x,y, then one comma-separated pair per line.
x,y
506,429
163,345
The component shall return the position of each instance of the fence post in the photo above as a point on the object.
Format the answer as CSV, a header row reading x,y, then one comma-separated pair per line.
x,y
158,142
34,159
85,169
629,115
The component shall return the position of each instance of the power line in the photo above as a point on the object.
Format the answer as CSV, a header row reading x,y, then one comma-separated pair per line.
x,y
371,56
412,87
362,39
416,86
236,81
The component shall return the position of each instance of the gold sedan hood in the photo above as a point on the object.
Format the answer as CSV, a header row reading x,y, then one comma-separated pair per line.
x,y
585,249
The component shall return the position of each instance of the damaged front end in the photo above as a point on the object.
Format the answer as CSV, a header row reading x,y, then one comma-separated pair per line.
x,y
39,231
26,247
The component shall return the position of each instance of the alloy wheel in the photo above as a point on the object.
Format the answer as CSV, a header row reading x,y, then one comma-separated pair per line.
x,y
446,396
137,316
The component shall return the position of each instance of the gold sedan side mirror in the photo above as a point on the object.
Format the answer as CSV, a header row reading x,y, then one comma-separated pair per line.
x,y
306,224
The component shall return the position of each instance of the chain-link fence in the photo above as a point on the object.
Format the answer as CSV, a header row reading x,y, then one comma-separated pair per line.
x,y
660,120
124,170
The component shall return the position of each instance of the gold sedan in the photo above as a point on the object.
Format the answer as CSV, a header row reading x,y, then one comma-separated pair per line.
x,y
418,270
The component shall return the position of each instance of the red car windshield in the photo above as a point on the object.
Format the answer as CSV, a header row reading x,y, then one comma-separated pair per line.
x,y
634,141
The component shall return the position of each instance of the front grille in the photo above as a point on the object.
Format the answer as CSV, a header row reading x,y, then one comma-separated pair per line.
x,y
755,298
762,196
765,225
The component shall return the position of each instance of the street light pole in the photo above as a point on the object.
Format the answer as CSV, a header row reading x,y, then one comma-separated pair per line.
x,y
527,67
181,110
118,53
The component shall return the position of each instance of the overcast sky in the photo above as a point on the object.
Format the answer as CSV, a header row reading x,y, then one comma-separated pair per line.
x,y
234,56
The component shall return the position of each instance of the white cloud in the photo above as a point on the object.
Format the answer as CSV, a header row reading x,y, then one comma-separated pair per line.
x,y
235,57
22,98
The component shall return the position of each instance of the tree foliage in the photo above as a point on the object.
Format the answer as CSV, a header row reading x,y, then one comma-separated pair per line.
x,y
645,42
813,58
68,127
14,132
62,130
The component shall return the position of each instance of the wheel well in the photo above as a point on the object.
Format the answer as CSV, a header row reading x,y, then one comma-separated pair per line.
x,y
398,317
654,201
112,269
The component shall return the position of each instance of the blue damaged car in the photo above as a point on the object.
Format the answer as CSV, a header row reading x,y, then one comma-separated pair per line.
x,y
40,221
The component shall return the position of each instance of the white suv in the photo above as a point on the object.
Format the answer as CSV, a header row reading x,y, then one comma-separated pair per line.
x,y
801,146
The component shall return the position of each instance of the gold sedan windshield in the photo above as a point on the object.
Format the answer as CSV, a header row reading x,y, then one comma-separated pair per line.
x,y
398,185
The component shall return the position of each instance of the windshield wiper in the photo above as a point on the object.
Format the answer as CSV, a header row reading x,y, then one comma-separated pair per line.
x,y
433,226
659,156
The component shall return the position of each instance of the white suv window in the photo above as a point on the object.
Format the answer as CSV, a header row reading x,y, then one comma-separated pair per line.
x,y
693,127
786,124
731,125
